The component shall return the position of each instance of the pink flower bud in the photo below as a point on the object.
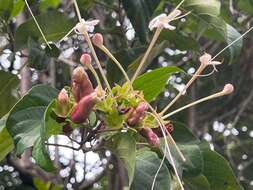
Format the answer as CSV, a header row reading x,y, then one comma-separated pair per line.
x,y
151,137
137,114
63,97
169,128
98,39
228,89
83,108
142,107
81,84
85,59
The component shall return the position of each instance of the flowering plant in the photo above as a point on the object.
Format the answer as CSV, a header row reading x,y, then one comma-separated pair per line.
x,y
120,118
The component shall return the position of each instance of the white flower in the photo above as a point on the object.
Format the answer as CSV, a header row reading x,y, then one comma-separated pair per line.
x,y
163,20
86,26
206,60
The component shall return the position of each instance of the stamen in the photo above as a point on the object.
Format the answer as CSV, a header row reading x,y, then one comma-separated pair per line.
x,y
182,92
228,89
107,52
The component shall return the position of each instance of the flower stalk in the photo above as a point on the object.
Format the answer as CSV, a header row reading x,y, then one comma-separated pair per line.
x,y
228,89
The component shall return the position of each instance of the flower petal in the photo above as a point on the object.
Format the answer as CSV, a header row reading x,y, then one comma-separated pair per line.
x,y
168,26
174,14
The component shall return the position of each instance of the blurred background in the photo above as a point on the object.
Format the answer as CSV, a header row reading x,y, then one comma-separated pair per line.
x,y
226,123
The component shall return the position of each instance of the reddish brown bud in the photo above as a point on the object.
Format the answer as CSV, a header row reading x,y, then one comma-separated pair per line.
x,y
151,137
169,127
137,114
81,85
98,39
85,59
63,97
67,129
83,108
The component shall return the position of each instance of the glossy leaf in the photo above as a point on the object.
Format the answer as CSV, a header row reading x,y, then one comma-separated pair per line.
x,y
189,145
8,83
6,142
45,4
197,183
5,9
18,6
218,172
147,164
26,118
153,83
208,13
54,25
41,156
124,147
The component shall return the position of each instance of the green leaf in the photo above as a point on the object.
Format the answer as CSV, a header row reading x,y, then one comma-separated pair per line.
x,y
45,4
124,147
55,25
197,183
6,142
51,126
17,7
218,172
41,185
147,164
8,85
208,13
153,83
5,9
37,57
26,118
41,156
190,147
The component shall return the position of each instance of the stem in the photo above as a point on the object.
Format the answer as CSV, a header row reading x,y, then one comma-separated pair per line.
x,y
95,75
194,77
86,36
37,24
107,52
144,59
194,103
65,146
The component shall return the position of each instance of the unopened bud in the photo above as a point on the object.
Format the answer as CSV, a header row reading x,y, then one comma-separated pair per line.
x,y
142,107
85,59
81,84
168,128
137,114
78,74
83,108
63,96
98,39
228,89
151,137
